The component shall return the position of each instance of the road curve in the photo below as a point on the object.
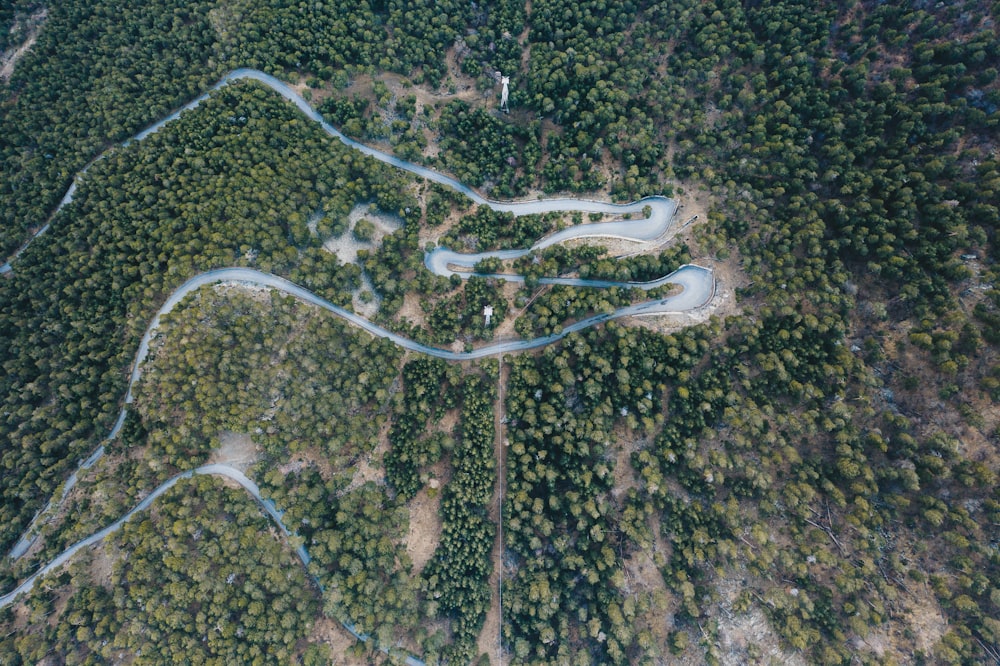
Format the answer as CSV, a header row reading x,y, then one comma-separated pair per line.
x,y
661,209
652,221
61,559
698,287
654,216
214,469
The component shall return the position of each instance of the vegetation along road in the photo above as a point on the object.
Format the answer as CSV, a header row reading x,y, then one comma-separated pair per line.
x,y
653,217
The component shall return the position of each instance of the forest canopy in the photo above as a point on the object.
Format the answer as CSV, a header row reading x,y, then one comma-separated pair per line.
x,y
817,457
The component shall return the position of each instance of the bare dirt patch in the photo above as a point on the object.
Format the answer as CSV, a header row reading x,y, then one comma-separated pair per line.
x,y
625,477
235,449
425,526
616,247
505,331
411,310
346,246
743,632
102,561
489,638
927,621
9,58
310,457
366,472
488,642
341,643
748,637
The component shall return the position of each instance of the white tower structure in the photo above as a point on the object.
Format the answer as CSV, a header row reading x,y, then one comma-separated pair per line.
x,y
504,81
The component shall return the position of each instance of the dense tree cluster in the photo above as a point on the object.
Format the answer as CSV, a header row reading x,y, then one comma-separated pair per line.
x,y
355,543
486,229
493,40
551,310
205,579
429,389
481,150
566,601
96,74
15,19
592,262
397,265
457,578
638,268
290,376
462,315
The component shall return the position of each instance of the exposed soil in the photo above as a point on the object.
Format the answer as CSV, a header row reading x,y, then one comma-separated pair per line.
x,y
411,310
346,246
235,449
340,641
927,621
425,526
746,638
743,632
728,277
309,457
489,638
9,58
505,331
102,561
369,469
626,443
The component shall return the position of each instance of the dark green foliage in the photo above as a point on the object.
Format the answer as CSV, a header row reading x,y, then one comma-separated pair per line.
x,y
16,19
97,74
361,563
422,30
481,149
486,229
640,268
428,391
204,192
364,230
353,537
557,260
440,202
462,314
494,43
349,116
849,149
560,520
206,582
299,376
397,265
457,578
988,312
549,312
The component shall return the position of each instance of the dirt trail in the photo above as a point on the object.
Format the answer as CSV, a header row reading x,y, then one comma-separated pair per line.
x,y
489,637
10,57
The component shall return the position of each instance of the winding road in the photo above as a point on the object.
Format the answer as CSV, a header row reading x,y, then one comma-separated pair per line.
x,y
652,220
642,229
221,470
